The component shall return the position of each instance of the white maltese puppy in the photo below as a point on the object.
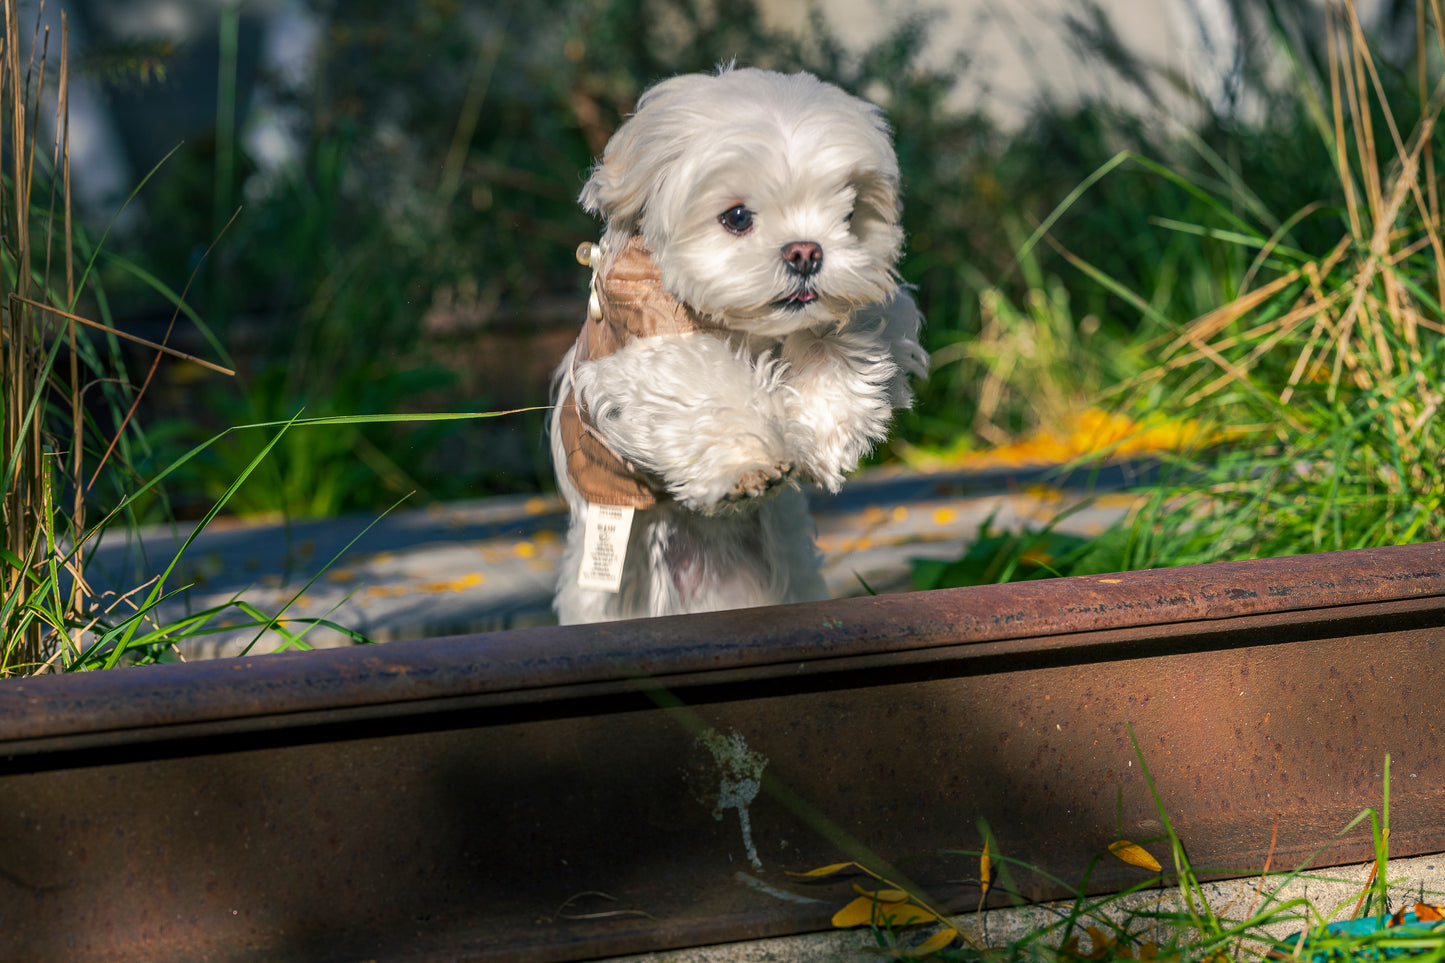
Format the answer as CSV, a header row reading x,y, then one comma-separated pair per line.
x,y
746,333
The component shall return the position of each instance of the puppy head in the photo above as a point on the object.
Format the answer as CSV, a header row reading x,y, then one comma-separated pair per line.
x,y
770,200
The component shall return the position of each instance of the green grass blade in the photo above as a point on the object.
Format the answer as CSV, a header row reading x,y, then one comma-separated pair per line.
x,y
319,572
200,526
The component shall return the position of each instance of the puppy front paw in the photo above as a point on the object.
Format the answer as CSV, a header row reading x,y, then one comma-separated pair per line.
x,y
758,482
751,485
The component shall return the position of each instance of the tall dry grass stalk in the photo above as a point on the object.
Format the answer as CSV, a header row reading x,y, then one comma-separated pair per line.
x,y
34,440
48,365
1336,361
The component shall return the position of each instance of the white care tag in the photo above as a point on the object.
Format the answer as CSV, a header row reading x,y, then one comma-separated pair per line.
x,y
604,546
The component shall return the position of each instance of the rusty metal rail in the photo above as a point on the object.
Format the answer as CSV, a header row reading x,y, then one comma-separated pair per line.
x,y
470,797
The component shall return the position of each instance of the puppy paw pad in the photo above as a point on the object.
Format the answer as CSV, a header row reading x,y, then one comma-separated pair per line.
x,y
759,481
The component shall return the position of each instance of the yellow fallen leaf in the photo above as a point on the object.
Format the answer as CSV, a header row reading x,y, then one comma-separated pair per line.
x,y
1082,433
1135,855
1104,945
435,586
1044,493
826,870
936,942
1101,946
901,914
856,913
882,895
985,868
1428,912
865,910
453,585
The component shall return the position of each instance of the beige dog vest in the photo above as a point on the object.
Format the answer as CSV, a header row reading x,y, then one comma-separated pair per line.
x,y
632,305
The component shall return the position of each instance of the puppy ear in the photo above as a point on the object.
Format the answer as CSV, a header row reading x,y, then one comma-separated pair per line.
x,y
617,188
637,159
876,210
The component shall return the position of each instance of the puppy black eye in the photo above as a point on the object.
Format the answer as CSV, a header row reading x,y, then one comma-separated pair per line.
x,y
738,220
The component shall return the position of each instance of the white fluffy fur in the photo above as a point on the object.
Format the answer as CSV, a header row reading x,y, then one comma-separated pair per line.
x,y
799,390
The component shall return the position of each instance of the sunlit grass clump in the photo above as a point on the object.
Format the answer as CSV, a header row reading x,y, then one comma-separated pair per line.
x,y
1303,413
1331,369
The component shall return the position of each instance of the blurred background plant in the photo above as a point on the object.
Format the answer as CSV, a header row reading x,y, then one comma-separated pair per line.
x,y
1323,372
409,246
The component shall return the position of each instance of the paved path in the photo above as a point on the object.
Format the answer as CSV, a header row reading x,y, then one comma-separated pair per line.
x,y
1332,892
490,563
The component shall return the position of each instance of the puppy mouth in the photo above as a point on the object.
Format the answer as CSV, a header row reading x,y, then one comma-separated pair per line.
x,y
798,300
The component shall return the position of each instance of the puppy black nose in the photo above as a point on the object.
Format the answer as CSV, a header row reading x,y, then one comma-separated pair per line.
x,y
804,257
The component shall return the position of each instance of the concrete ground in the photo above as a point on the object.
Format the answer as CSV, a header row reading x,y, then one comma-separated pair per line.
x,y
1333,893
491,563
